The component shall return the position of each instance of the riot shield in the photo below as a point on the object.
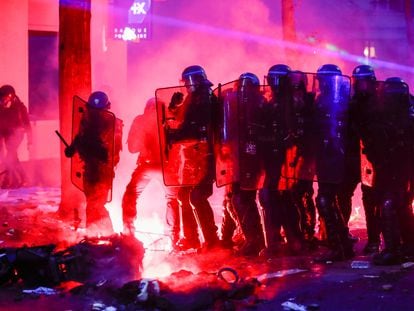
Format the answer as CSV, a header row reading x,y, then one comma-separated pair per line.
x,y
237,136
273,133
329,126
250,99
93,130
300,139
226,139
185,133
388,142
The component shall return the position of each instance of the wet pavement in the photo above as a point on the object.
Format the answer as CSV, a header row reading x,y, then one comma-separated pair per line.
x,y
190,281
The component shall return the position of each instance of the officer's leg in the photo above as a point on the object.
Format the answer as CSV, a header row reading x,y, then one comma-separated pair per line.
x,y
337,232
190,227
229,222
370,204
272,209
391,254
203,210
97,216
14,169
139,180
302,195
291,222
173,214
244,202
406,220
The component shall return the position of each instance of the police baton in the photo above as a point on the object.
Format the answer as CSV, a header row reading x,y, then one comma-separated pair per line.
x,y
61,138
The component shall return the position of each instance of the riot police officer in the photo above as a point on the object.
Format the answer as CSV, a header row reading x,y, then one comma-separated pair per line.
x,y
188,160
276,200
244,190
386,136
98,144
364,82
331,106
301,154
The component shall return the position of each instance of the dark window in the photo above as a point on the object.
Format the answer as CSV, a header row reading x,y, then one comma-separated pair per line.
x,y
43,75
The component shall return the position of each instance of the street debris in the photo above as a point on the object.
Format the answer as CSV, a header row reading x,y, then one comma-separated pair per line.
x,y
41,291
278,274
360,264
290,305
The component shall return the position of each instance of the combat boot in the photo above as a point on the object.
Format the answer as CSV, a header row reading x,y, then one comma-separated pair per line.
x,y
250,248
391,255
340,246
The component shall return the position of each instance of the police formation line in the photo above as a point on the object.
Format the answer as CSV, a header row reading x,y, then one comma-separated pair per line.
x,y
268,145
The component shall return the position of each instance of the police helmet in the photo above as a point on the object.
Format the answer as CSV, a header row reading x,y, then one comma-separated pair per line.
x,y
248,79
328,76
365,72
275,72
99,100
394,80
195,75
329,69
395,85
6,90
363,77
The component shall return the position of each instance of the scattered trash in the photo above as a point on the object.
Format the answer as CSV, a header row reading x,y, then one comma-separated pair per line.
x,y
407,265
41,291
289,305
101,282
360,264
278,274
228,275
83,262
148,287
98,306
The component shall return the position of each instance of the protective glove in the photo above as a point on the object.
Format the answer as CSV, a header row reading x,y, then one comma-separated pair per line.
x,y
69,151
176,100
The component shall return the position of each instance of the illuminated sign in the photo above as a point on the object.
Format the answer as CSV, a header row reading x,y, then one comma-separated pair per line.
x,y
131,20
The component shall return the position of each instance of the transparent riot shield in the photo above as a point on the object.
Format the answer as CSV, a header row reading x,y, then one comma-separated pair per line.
x,y
329,126
273,132
226,140
299,99
389,139
185,132
237,136
94,132
250,100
